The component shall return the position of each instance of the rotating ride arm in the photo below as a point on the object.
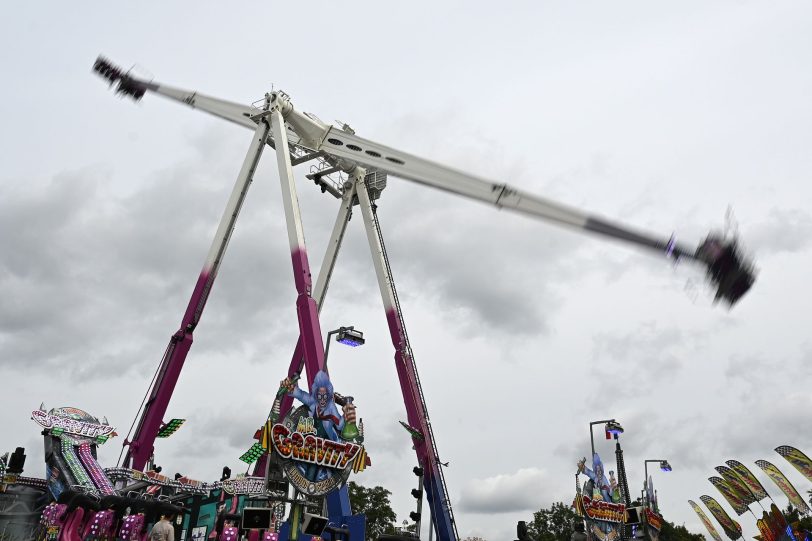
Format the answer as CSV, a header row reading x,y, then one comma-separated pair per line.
x,y
726,267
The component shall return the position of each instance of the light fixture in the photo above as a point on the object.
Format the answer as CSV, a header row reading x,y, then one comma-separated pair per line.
x,y
350,337
170,428
253,454
614,428
665,466
346,335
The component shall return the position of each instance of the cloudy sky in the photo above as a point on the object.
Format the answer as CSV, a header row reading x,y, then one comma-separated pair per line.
x,y
662,115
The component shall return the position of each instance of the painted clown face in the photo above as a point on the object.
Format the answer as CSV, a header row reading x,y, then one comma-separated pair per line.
x,y
322,397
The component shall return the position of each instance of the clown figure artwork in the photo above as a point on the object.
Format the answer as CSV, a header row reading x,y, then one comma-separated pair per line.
x,y
597,487
327,422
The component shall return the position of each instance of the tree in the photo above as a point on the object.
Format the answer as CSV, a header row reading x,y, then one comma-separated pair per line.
x,y
374,503
553,524
671,532
793,515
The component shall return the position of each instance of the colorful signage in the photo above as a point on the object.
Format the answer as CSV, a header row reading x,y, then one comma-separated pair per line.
x,y
72,421
600,510
749,480
783,483
798,459
736,484
599,502
654,520
730,495
705,520
246,485
317,445
731,528
308,448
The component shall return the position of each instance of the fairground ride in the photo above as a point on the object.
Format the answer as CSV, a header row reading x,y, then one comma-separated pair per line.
x,y
355,171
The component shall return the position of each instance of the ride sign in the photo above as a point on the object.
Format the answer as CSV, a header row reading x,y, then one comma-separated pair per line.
x,y
72,421
317,446
245,485
606,511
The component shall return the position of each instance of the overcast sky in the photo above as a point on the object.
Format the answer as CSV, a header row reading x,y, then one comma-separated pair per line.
x,y
661,115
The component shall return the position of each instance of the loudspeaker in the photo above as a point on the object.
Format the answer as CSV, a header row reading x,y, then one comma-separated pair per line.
x,y
313,524
16,462
256,518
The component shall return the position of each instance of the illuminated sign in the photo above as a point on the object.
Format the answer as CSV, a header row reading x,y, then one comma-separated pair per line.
x,y
246,485
601,510
59,424
312,449
312,463
654,520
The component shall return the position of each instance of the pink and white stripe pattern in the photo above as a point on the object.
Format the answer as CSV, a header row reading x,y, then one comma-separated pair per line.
x,y
96,473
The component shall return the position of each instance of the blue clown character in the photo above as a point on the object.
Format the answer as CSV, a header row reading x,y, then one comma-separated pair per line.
x,y
326,418
600,488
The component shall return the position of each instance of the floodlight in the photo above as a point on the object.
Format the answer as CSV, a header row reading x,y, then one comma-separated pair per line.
x,y
252,454
350,337
614,428
170,428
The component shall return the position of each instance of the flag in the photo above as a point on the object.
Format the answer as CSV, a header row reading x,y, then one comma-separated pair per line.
x,y
731,528
735,483
706,521
265,440
783,483
730,495
748,479
798,459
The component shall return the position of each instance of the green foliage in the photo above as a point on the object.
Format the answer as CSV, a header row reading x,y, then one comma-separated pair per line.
x,y
670,532
553,524
794,516
374,503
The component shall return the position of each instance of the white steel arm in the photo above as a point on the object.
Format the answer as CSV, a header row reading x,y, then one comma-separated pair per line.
x,y
727,268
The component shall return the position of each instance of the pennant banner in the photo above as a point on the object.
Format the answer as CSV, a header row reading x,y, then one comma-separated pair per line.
x,y
730,495
798,459
747,477
731,528
764,527
736,485
706,521
783,483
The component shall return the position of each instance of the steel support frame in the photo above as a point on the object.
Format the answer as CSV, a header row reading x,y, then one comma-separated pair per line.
x,y
141,448
310,337
416,411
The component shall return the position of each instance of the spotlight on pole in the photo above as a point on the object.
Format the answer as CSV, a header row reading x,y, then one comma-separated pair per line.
x,y
614,428
350,337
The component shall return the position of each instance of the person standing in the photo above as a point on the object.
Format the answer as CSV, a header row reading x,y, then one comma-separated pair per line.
x,y
578,533
162,530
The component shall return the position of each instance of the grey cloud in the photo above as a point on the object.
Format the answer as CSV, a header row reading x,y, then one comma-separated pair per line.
x,y
647,351
76,251
784,231
505,493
